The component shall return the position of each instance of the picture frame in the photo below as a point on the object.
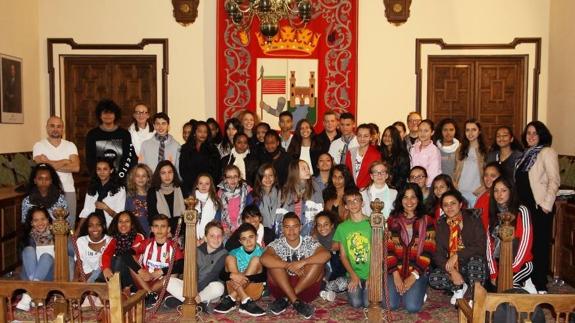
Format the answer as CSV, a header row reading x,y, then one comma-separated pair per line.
x,y
11,103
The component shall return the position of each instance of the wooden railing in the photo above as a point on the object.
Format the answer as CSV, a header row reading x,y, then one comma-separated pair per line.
x,y
375,281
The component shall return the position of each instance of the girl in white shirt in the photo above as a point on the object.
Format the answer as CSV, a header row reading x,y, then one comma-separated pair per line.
x,y
208,203
105,194
378,189
91,244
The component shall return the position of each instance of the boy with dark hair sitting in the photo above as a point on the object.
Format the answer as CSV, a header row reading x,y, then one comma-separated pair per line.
x,y
295,266
154,256
244,274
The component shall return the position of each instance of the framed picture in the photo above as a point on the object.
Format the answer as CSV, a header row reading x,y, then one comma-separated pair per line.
x,y
11,84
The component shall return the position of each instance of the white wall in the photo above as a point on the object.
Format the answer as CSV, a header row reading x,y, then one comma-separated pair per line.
x,y
386,75
562,76
19,38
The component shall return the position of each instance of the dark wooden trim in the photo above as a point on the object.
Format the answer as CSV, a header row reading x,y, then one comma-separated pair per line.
x,y
139,46
512,45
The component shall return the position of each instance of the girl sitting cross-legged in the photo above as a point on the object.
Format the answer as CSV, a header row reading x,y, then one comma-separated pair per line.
x,y
91,245
460,254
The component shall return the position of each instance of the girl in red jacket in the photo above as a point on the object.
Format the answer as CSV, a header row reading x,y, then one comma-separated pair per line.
x,y
358,160
126,232
504,200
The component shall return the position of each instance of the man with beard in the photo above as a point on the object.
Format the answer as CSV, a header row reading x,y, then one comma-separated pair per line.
x,y
63,156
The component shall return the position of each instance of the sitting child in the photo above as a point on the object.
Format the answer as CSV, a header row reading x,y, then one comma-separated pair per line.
x,y
211,257
252,215
154,256
38,255
91,245
244,274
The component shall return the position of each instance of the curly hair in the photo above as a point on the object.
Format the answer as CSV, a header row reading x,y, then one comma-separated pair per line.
x,y
131,188
54,191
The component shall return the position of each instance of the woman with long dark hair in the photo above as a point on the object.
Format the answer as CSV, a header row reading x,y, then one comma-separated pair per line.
x,y
267,194
199,155
165,195
231,127
505,150
394,153
215,131
409,250
503,199
44,190
304,146
340,181
537,173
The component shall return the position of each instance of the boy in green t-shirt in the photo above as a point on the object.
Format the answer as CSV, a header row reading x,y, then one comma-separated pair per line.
x,y
354,238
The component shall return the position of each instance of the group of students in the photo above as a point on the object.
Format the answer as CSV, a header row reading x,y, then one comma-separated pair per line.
x,y
287,213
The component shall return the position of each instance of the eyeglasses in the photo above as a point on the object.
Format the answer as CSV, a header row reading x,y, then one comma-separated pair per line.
x,y
353,201
381,173
416,178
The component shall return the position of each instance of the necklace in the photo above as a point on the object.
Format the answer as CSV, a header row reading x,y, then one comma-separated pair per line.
x,y
96,242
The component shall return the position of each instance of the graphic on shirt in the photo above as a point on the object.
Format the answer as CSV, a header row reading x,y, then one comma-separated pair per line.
x,y
358,247
110,149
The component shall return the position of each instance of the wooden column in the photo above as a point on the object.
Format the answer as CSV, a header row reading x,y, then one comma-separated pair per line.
x,y
61,229
190,267
375,281
506,234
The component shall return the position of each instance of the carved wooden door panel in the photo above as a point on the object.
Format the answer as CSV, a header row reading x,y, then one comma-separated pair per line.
x,y
88,79
490,89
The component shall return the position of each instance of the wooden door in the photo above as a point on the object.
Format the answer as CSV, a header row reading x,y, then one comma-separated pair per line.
x,y
490,89
125,79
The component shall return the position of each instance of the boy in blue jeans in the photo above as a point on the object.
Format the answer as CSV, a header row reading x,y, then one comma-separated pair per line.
x,y
354,237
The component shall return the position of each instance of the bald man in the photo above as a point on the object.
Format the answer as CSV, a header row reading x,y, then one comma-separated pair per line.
x,y
63,156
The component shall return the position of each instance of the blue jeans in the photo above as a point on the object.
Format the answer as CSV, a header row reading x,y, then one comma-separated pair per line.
x,y
412,299
359,297
37,269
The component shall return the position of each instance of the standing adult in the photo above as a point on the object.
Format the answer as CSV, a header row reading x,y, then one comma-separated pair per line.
x,y
347,141
62,155
413,121
537,173
162,146
330,131
109,140
141,128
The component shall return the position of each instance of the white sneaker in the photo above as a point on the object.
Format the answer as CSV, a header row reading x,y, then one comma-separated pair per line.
x,y
327,295
24,303
458,294
530,287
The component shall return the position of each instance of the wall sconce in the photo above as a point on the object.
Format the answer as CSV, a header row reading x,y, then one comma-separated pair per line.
x,y
185,11
397,11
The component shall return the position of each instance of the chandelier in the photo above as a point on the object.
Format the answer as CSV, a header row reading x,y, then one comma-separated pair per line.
x,y
269,13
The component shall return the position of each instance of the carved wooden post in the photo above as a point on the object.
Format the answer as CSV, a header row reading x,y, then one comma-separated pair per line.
x,y
506,233
190,267
375,270
61,229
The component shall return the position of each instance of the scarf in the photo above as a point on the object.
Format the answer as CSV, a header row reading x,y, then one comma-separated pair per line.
x,y
226,195
162,149
207,211
268,205
239,161
260,235
455,240
529,158
124,242
162,205
103,191
404,222
448,149
326,241
42,238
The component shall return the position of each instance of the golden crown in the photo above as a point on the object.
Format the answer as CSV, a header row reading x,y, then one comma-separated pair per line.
x,y
298,42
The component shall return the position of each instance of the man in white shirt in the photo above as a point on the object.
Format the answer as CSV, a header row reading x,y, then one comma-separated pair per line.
x,y
63,156
340,146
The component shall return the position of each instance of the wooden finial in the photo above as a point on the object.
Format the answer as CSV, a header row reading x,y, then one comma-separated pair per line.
x,y
376,218
191,214
60,225
506,230
190,202
377,205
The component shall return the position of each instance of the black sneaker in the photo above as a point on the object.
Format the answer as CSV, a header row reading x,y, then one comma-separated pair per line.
x,y
151,300
304,309
279,306
251,308
226,305
172,302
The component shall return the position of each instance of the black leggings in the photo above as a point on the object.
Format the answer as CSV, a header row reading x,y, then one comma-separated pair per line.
x,y
119,266
542,226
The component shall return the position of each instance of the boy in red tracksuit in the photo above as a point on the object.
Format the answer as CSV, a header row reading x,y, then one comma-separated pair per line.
x,y
154,255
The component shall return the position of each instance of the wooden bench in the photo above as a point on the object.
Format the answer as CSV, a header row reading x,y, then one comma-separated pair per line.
x,y
485,304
